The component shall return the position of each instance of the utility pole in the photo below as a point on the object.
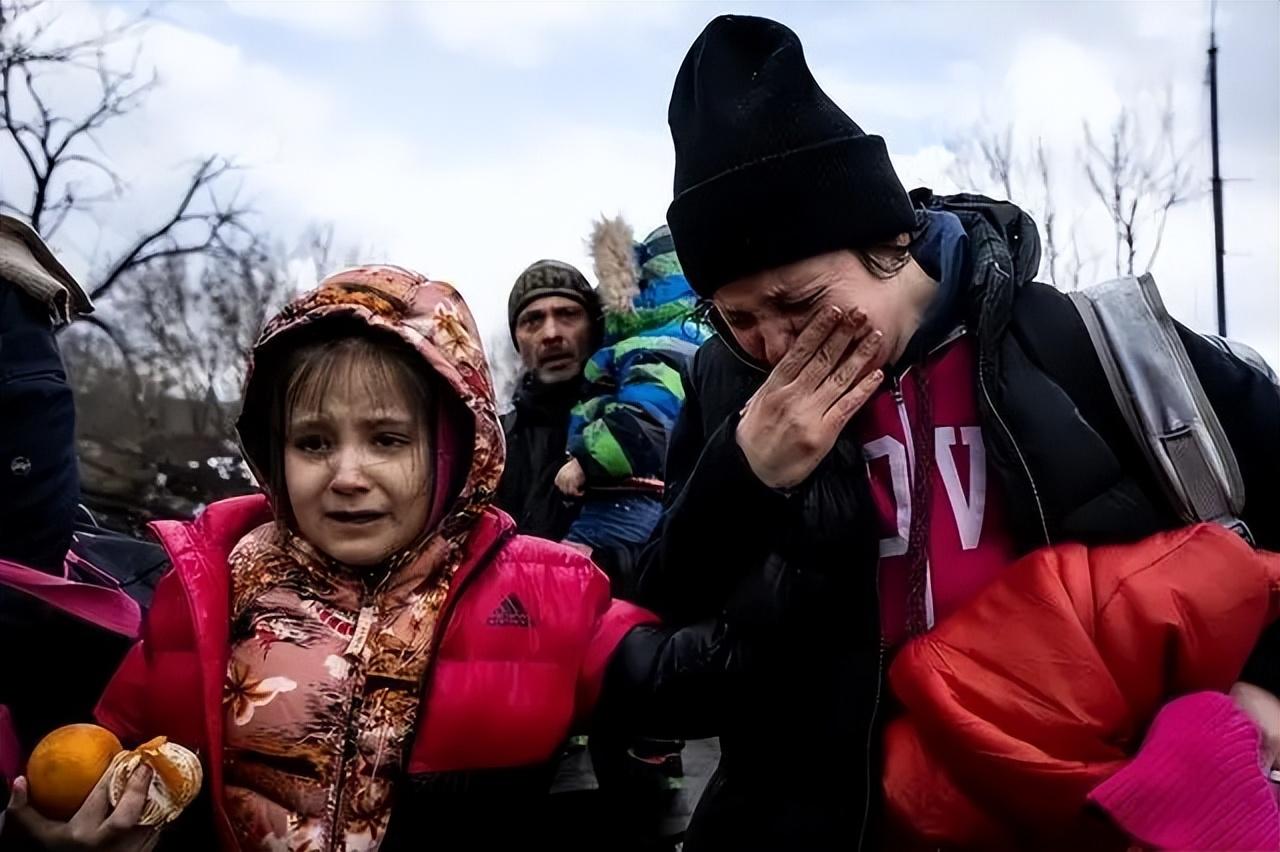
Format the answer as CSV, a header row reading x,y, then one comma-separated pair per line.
x,y
1220,251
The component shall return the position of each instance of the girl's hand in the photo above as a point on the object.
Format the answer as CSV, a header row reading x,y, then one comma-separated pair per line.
x,y
96,825
571,480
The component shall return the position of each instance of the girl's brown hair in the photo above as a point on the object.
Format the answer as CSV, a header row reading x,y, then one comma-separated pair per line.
x,y
384,365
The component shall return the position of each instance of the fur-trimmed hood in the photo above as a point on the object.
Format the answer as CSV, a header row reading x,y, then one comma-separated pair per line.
x,y
613,252
641,284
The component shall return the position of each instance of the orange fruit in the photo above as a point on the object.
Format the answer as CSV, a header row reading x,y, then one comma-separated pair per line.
x,y
175,784
65,765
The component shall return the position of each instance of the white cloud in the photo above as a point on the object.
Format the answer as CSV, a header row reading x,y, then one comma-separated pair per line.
x,y
955,94
929,166
515,33
1054,84
525,35
1179,23
473,218
477,211
320,17
211,100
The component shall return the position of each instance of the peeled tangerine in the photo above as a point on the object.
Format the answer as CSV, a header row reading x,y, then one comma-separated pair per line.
x,y
65,765
175,779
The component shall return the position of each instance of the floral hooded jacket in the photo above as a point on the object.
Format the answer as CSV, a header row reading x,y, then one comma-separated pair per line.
x,y
311,693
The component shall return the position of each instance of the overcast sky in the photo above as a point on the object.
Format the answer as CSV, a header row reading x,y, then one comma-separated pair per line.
x,y
468,140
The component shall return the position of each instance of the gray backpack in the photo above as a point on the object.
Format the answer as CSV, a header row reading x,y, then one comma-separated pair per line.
x,y
1162,400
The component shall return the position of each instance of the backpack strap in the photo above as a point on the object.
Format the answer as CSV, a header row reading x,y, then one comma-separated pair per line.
x,y
1162,400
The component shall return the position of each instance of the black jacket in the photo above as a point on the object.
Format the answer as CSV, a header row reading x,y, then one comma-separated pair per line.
x,y
39,479
537,430
1060,449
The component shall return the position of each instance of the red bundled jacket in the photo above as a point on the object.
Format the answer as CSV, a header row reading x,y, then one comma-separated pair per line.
x,y
1041,688
495,698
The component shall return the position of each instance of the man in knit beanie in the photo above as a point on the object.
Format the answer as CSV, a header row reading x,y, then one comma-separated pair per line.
x,y
892,413
554,317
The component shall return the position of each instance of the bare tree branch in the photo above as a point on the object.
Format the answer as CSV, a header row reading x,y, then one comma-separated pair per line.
x,y
194,325
32,49
61,210
1174,186
146,248
1049,218
989,149
1077,263
1138,185
117,99
318,244
1137,171
997,150
13,127
506,367
117,185
126,357
66,166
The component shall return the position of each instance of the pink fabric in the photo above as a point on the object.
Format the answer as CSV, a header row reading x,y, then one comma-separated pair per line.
x,y
443,488
499,695
612,627
110,609
968,544
10,750
1197,782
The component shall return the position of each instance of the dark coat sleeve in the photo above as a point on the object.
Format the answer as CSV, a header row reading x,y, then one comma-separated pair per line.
x,y
754,585
717,519
1248,406
684,682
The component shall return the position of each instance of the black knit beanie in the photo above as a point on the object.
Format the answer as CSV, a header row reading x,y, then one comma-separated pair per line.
x,y
768,169
552,278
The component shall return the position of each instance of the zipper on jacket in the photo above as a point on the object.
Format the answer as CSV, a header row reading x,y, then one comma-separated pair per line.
x,y
871,730
900,400
869,778
355,647
1026,469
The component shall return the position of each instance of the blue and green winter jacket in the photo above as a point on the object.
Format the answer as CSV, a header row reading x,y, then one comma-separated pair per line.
x,y
619,432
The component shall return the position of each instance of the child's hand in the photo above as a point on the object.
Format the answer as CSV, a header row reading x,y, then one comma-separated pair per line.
x,y
96,825
571,480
